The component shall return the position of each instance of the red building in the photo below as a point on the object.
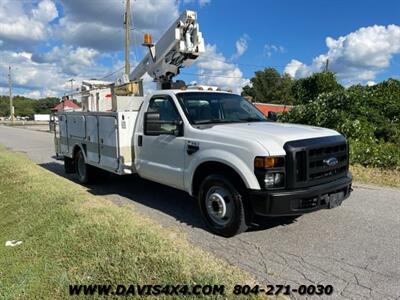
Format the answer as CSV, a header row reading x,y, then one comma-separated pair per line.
x,y
65,105
266,107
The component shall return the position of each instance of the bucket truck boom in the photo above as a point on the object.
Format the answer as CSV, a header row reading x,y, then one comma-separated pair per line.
x,y
180,45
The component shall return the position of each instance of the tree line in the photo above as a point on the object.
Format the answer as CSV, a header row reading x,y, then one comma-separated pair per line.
x,y
26,107
270,86
369,116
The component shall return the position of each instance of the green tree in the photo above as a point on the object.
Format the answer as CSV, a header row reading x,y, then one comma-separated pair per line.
x,y
248,91
368,116
308,88
43,106
270,86
27,107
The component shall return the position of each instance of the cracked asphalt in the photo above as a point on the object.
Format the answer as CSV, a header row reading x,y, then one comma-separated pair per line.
x,y
355,247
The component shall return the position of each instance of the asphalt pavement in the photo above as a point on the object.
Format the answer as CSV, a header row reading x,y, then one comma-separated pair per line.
x,y
355,247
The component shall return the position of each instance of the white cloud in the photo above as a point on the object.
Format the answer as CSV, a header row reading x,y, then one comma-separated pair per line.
x,y
356,57
22,24
35,94
82,19
29,74
72,61
215,70
270,49
201,3
85,35
241,46
46,78
204,2
46,11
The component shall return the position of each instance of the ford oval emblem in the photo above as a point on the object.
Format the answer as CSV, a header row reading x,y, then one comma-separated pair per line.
x,y
330,162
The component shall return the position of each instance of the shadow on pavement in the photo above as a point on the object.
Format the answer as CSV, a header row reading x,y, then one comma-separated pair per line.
x,y
173,202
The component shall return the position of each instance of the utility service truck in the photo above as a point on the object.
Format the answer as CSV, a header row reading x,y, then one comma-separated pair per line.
x,y
214,145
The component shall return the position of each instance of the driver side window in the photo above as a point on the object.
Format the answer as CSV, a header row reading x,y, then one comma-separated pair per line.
x,y
166,110
165,107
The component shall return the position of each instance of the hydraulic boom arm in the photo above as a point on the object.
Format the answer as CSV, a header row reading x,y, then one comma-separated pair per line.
x,y
181,44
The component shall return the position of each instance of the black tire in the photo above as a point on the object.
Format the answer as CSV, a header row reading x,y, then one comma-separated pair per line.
x,y
225,194
84,171
69,166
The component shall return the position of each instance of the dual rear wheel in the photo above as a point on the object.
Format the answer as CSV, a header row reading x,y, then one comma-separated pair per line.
x,y
85,172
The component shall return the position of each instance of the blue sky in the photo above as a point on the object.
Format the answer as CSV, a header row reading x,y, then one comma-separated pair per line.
x,y
48,42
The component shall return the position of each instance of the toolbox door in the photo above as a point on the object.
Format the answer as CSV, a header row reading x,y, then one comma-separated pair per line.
x,y
92,142
63,134
108,142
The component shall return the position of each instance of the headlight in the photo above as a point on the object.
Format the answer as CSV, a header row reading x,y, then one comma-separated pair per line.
x,y
272,180
270,171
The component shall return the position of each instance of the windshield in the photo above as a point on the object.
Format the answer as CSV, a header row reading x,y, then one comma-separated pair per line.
x,y
206,108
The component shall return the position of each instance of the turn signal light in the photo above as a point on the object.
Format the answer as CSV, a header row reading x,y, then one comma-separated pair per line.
x,y
269,162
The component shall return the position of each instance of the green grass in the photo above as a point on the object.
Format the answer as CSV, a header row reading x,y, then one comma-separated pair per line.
x,y
376,176
72,237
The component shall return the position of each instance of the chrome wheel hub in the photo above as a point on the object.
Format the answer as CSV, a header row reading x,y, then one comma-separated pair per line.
x,y
219,205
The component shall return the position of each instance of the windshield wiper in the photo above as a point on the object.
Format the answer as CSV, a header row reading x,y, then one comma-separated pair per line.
x,y
216,121
253,120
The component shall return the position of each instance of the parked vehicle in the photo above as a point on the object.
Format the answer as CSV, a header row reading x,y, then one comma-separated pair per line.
x,y
214,145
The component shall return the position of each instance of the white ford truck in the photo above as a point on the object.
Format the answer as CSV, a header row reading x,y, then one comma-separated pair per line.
x,y
214,145
217,147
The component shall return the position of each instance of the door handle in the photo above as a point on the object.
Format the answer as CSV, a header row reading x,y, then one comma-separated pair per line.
x,y
140,141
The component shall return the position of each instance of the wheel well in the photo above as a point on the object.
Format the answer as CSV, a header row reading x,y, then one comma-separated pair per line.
x,y
76,149
213,167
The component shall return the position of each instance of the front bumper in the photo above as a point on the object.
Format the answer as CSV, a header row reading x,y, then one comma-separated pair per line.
x,y
300,201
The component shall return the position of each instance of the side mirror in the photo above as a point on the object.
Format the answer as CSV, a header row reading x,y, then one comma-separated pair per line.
x,y
272,116
154,126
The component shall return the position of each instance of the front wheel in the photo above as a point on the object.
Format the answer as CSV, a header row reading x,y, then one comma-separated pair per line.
x,y
221,205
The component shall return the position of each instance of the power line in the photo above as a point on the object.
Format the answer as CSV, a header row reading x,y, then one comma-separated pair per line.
x,y
249,65
112,73
222,76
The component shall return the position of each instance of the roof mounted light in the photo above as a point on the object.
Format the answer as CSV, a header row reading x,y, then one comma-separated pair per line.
x,y
147,40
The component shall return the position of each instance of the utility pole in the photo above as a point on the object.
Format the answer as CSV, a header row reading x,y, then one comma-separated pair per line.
x,y
327,65
11,97
127,23
72,85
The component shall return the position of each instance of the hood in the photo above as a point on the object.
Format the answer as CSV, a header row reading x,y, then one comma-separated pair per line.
x,y
272,135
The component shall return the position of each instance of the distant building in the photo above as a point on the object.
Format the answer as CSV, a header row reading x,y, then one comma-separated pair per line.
x,y
66,105
41,117
267,107
96,95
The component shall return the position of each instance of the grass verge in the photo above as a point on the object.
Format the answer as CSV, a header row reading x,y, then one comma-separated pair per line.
x,y
72,237
376,176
